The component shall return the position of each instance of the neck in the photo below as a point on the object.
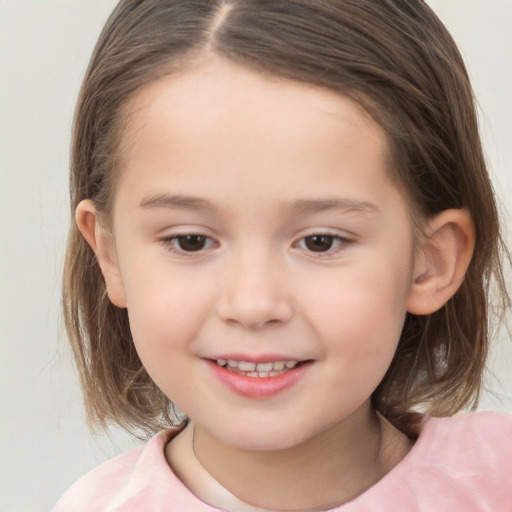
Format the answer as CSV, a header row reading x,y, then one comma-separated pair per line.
x,y
327,470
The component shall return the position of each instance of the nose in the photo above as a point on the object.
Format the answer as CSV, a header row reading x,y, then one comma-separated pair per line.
x,y
254,292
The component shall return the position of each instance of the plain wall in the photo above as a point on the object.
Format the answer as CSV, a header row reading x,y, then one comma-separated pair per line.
x,y
44,49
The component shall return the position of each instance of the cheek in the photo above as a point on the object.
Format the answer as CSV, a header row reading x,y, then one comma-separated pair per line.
x,y
164,324
165,315
360,334
361,318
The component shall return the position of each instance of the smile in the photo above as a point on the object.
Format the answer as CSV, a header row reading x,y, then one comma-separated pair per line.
x,y
269,369
258,380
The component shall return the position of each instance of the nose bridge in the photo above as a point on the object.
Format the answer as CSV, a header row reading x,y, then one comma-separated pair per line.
x,y
254,291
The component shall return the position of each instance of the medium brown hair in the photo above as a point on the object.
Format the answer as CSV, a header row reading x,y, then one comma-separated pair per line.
x,y
396,59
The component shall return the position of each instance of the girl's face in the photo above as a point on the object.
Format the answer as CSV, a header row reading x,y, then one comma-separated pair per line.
x,y
255,227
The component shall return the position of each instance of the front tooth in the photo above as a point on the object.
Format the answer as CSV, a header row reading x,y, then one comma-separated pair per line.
x,y
246,367
291,364
264,367
278,365
263,374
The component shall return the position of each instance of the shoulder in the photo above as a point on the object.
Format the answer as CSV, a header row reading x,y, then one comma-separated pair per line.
x,y
462,462
465,460
485,431
118,481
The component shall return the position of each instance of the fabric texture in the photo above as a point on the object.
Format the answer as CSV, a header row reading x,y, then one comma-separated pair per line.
x,y
458,464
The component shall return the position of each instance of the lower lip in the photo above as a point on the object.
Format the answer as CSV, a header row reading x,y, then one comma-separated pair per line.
x,y
258,387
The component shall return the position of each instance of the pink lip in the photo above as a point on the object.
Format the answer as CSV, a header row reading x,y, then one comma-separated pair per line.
x,y
257,387
260,358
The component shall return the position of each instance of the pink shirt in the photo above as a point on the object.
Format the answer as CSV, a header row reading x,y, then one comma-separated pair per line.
x,y
458,464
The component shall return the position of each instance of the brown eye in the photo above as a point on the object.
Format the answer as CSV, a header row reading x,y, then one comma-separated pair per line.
x,y
191,243
319,243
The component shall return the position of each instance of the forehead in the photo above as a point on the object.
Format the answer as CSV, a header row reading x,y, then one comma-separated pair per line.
x,y
217,123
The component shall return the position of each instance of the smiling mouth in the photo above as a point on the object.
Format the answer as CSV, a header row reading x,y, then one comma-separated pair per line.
x,y
269,369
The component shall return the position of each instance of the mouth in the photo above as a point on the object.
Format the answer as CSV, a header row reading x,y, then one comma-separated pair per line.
x,y
258,380
258,370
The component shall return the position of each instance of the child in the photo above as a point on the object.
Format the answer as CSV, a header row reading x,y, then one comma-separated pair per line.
x,y
285,229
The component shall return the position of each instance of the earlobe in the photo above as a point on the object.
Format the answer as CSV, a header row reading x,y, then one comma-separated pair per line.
x,y
99,238
441,261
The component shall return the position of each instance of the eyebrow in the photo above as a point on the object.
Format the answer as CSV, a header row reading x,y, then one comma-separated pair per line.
x,y
176,202
301,206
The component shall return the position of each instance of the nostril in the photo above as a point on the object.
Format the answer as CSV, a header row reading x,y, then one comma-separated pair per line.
x,y
253,299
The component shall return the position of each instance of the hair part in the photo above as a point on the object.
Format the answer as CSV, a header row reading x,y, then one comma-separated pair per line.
x,y
396,59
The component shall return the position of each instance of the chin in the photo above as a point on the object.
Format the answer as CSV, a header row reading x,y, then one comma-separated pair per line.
x,y
265,438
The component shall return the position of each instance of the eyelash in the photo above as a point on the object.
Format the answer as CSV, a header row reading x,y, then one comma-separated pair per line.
x,y
173,243
339,241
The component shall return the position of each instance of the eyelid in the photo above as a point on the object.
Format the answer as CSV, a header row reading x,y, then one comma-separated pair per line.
x,y
343,241
169,243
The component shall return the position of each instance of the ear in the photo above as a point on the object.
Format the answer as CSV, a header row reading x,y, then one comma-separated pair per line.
x,y
441,261
98,236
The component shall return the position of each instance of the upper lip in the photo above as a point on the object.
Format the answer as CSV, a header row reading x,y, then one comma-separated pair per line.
x,y
256,358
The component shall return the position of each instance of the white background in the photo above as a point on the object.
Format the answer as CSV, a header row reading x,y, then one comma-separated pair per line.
x,y
44,49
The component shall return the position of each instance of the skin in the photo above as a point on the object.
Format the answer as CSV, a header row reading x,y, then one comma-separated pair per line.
x,y
256,165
